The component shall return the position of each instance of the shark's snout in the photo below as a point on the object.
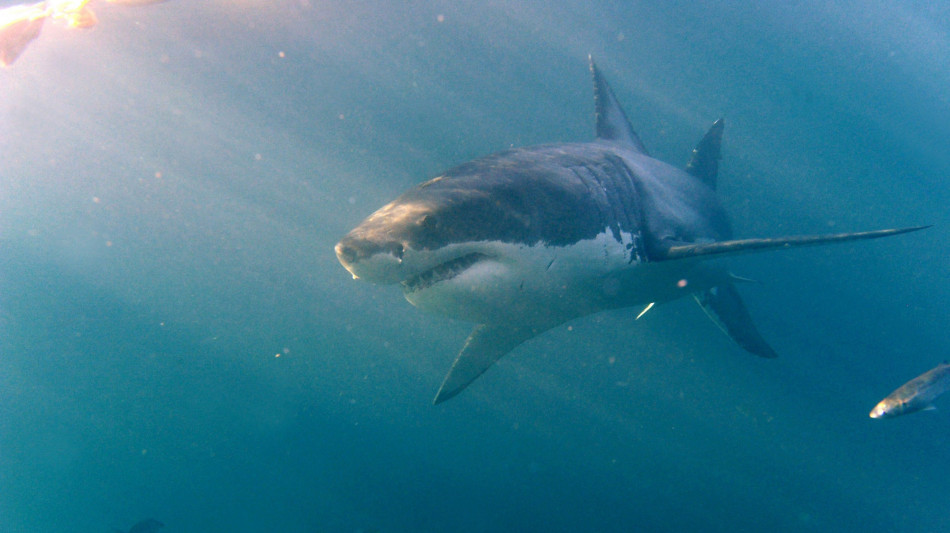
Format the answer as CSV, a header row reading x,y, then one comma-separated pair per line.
x,y
376,261
346,254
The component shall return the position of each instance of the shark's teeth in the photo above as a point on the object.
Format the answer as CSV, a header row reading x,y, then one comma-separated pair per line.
x,y
441,272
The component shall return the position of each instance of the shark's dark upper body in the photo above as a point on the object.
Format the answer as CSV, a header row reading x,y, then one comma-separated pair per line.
x,y
558,195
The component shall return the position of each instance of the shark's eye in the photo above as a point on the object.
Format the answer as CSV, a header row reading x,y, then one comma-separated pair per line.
x,y
428,221
394,248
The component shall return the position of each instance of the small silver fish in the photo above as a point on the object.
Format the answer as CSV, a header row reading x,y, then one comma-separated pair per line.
x,y
917,394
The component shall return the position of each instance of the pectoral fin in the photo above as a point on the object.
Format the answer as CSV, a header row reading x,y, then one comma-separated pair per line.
x,y
724,306
486,344
745,246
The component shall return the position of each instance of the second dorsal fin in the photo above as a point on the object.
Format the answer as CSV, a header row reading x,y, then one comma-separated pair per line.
x,y
704,164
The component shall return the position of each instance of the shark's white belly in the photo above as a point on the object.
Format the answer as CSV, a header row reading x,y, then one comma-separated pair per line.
x,y
542,284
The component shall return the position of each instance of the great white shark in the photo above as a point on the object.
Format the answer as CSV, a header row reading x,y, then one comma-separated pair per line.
x,y
524,240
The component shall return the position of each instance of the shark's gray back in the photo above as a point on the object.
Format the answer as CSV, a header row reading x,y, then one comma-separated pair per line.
x,y
677,207
560,194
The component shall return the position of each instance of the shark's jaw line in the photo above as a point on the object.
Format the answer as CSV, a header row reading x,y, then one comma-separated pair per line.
x,y
441,272
499,282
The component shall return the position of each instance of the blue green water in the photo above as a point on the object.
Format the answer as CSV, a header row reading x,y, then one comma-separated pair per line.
x,y
172,183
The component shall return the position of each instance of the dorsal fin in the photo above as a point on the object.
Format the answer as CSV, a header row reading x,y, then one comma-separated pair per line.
x,y
704,164
612,123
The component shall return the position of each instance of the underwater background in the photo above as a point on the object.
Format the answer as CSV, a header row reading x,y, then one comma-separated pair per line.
x,y
178,340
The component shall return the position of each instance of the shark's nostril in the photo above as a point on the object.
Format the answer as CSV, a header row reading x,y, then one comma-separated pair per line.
x,y
345,253
349,252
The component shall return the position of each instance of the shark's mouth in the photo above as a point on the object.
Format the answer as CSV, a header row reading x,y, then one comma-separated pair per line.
x,y
441,272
